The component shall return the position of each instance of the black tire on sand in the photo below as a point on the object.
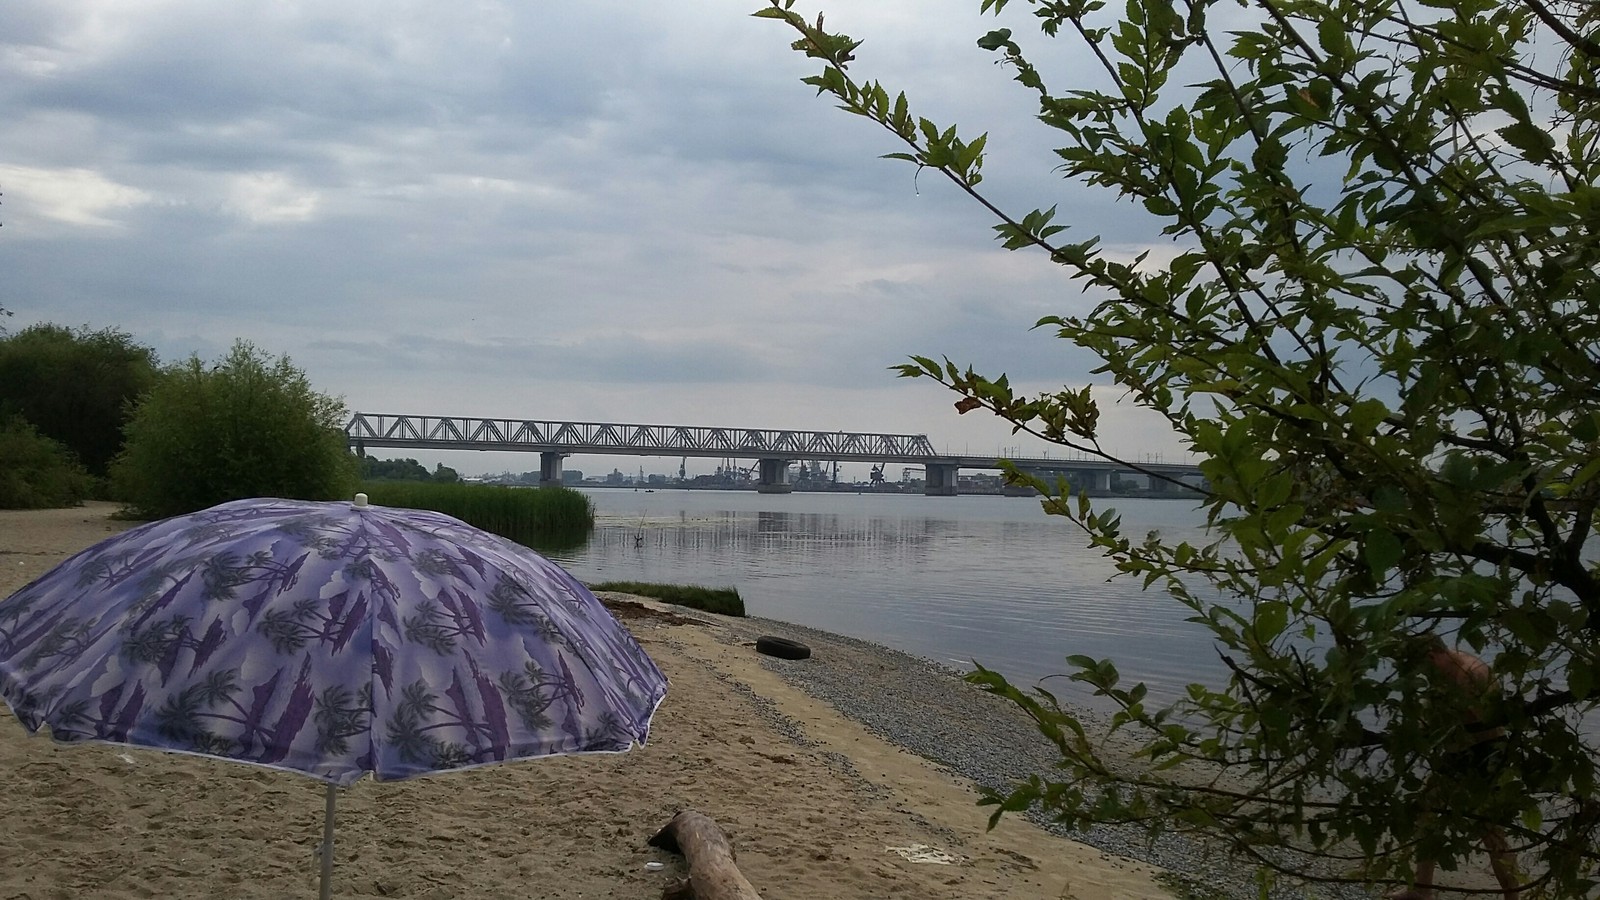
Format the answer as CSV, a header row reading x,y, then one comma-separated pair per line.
x,y
782,648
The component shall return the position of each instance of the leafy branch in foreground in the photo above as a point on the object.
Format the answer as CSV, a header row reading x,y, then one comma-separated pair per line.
x,y
1378,330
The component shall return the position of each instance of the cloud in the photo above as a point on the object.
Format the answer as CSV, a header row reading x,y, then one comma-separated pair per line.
x,y
70,196
269,197
607,210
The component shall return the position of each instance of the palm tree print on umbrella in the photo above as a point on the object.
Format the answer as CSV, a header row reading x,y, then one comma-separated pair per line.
x,y
285,634
336,640
184,716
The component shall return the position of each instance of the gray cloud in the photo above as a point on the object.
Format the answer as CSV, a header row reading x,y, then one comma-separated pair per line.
x,y
611,210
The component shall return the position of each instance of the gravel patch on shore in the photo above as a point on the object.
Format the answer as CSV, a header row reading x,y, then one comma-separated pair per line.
x,y
927,709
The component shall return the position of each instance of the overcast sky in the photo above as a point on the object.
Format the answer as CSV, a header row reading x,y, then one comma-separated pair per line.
x,y
599,211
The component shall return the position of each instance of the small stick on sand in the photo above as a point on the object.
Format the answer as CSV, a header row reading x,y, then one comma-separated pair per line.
x,y
712,872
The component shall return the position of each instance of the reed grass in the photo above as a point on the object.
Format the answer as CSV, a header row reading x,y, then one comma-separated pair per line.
x,y
724,601
552,518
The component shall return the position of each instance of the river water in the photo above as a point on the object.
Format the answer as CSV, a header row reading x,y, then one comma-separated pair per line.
x,y
954,579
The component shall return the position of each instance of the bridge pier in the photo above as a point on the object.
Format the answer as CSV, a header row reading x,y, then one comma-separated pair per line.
x,y
940,480
550,469
1094,479
774,477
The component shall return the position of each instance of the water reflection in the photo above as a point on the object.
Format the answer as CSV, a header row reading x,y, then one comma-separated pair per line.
x,y
796,538
954,579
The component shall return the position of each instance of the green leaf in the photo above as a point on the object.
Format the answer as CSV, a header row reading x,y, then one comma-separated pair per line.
x,y
1586,427
1331,36
996,39
1585,475
1534,142
1366,416
1382,550
1272,617
1275,490
1580,678
1388,498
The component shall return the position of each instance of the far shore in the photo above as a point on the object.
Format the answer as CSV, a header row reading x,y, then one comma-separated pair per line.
x,y
1026,494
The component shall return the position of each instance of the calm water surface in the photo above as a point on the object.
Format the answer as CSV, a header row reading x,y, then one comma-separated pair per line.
x,y
955,579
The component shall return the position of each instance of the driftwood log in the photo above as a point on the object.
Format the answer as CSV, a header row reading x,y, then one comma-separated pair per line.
x,y
712,872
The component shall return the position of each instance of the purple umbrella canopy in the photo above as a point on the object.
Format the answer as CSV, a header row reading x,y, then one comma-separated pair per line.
x,y
331,639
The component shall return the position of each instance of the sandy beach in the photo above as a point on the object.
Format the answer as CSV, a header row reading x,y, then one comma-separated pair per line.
x,y
816,805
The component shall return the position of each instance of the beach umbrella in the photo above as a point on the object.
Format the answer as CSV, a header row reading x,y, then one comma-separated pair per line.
x,y
329,639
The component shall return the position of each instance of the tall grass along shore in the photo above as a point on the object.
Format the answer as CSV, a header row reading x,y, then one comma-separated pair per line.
x,y
723,601
544,518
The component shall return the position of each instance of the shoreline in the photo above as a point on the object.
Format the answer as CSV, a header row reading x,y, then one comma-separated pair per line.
x,y
892,745
815,802
927,709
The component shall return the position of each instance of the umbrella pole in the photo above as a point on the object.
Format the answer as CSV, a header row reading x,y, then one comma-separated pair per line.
x,y
327,843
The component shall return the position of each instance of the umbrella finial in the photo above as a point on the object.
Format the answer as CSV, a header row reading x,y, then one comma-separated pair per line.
x,y
361,500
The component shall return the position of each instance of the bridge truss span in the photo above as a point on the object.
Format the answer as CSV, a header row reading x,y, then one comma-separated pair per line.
x,y
462,433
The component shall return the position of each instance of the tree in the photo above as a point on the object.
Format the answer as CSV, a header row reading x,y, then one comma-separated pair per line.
x,y
247,426
75,386
36,472
373,469
407,469
1379,334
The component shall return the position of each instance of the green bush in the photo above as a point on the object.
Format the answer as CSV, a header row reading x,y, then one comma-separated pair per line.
x,y
546,518
723,601
37,472
75,386
373,469
248,426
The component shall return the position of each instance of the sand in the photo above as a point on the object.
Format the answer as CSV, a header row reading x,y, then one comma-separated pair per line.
x,y
818,819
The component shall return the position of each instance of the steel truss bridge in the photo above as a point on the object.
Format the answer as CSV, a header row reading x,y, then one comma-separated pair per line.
x,y
774,449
